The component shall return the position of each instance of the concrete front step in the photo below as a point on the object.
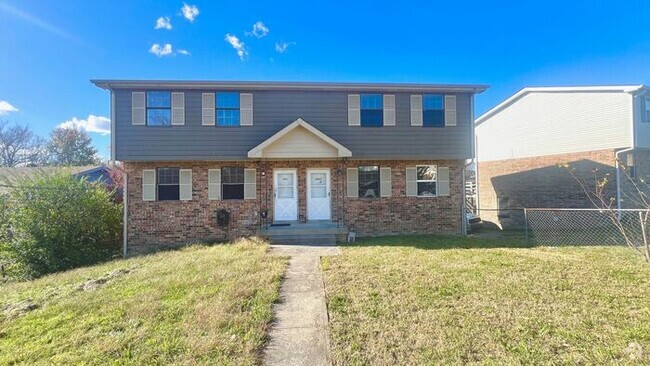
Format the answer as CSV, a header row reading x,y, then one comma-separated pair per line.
x,y
309,233
303,239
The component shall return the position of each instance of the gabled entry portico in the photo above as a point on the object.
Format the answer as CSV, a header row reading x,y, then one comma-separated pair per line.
x,y
295,187
303,161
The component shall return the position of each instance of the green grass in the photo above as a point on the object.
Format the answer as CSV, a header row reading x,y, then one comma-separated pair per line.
x,y
438,300
200,305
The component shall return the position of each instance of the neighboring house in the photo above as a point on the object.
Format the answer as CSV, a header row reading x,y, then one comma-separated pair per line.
x,y
521,142
317,158
100,173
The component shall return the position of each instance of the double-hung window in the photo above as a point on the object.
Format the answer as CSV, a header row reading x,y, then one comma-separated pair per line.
x,y
372,110
646,109
433,110
227,108
159,108
232,183
427,177
369,182
168,184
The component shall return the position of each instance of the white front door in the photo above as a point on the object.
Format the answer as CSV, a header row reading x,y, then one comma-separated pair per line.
x,y
285,207
318,194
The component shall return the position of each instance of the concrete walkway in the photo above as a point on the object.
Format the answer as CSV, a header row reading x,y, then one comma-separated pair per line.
x,y
299,335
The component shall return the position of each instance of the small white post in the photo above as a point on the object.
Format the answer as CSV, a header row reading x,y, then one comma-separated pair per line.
x,y
645,238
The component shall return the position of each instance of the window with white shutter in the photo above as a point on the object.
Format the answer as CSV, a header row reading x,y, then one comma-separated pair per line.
x,y
354,110
214,184
246,109
149,185
185,185
352,182
178,109
138,108
416,110
207,109
389,110
450,110
443,181
386,182
250,184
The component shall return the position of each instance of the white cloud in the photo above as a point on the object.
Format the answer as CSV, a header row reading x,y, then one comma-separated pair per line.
x,y
189,12
6,108
237,45
161,51
96,124
259,30
184,52
163,23
281,47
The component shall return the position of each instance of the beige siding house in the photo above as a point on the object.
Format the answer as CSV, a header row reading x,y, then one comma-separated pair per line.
x,y
521,142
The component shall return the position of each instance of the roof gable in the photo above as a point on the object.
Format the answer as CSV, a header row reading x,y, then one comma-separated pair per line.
x,y
556,89
299,140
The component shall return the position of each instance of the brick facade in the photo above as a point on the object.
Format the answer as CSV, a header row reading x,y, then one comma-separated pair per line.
x,y
506,186
155,224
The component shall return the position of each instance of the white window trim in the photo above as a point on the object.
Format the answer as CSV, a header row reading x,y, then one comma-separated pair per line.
x,y
216,109
378,181
243,184
158,184
435,167
646,108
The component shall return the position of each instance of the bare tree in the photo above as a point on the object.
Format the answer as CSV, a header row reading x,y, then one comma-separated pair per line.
x,y
20,146
636,192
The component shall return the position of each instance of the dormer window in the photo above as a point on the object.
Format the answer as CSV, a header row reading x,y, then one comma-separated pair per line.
x,y
372,110
159,108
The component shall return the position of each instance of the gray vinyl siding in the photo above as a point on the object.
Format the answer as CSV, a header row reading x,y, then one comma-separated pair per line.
x,y
273,110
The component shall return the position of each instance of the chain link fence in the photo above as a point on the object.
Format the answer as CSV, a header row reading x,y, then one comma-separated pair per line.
x,y
586,226
568,226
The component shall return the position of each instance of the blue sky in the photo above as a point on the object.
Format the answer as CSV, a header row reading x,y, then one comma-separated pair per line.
x,y
50,49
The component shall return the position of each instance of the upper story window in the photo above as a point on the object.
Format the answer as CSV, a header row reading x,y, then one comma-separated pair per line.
x,y
433,110
427,177
369,181
159,108
372,110
232,183
168,184
646,109
227,109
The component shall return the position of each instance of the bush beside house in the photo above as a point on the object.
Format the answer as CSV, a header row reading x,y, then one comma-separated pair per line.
x,y
55,222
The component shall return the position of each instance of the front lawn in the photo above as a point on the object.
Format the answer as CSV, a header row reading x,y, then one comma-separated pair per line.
x,y
200,305
439,300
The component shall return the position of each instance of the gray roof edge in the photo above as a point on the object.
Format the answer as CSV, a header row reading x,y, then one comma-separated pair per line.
x,y
279,85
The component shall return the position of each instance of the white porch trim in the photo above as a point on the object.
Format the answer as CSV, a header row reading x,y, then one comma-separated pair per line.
x,y
259,150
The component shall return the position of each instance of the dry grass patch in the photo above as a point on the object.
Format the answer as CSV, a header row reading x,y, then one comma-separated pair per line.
x,y
199,305
441,300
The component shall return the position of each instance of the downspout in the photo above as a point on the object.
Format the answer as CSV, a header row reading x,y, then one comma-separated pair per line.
x,y
125,218
618,175
112,128
629,149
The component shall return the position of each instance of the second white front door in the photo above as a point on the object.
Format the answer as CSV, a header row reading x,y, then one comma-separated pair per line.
x,y
318,194
286,195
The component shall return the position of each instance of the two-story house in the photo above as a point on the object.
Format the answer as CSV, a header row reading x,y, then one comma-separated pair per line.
x,y
601,132
216,160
